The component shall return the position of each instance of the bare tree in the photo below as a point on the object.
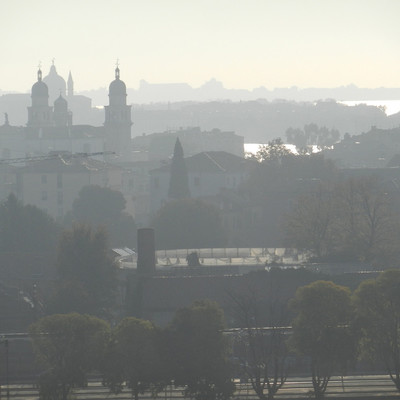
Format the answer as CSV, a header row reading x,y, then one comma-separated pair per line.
x,y
310,224
260,350
352,219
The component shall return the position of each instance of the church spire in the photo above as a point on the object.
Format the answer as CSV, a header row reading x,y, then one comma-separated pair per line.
x,y
70,85
39,73
117,70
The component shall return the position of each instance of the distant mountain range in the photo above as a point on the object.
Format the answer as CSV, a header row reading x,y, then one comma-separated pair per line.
x,y
215,90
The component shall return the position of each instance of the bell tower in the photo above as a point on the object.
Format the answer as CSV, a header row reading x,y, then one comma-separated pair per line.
x,y
40,114
118,121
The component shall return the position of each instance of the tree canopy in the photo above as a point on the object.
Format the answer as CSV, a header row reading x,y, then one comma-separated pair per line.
x,y
377,303
68,347
26,228
311,135
133,358
200,352
189,224
100,206
321,330
273,152
85,269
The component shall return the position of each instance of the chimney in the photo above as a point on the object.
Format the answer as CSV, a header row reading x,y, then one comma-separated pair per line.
x,y
146,261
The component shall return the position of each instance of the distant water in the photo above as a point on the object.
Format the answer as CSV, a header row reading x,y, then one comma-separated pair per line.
x,y
392,106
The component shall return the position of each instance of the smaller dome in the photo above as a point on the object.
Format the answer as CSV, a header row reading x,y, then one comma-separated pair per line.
x,y
117,87
60,100
60,104
40,89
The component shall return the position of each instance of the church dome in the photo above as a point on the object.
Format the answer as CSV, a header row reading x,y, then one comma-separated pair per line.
x,y
39,88
60,104
55,83
117,87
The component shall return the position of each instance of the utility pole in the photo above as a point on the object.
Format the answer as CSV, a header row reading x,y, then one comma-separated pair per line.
x,y
7,382
4,340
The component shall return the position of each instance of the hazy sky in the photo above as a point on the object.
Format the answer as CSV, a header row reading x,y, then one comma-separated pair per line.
x,y
243,43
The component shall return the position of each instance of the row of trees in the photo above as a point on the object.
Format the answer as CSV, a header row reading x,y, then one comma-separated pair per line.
x,y
331,328
312,135
135,355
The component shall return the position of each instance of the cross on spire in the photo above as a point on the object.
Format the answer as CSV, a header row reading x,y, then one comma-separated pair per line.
x,y
39,73
117,69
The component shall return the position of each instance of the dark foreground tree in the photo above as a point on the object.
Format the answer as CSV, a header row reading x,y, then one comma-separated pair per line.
x,y
179,183
189,224
321,330
85,269
199,352
377,304
133,358
100,206
26,228
68,347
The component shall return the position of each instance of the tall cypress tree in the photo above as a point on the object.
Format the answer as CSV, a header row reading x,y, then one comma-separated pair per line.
x,y
179,183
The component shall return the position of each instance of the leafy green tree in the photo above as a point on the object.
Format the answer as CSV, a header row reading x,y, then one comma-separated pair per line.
x,y
68,347
100,206
199,352
133,358
189,224
321,330
26,228
377,306
179,183
86,269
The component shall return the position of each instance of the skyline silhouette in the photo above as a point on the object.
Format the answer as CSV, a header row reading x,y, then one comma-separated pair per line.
x,y
245,44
